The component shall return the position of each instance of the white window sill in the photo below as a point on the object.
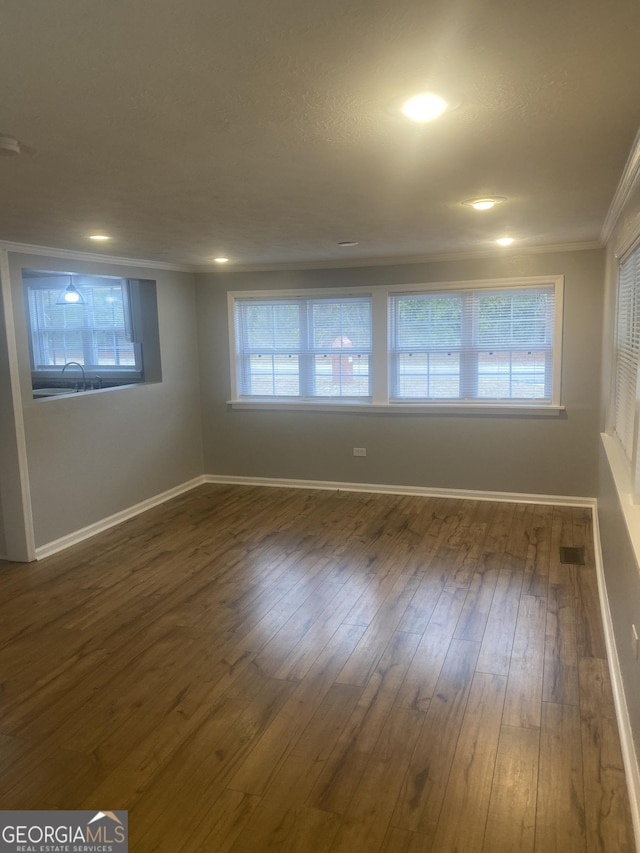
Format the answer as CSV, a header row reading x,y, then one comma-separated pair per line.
x,y
527,410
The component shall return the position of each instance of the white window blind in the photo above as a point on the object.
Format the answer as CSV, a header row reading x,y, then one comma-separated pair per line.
x,y
309,348
475,345
627,351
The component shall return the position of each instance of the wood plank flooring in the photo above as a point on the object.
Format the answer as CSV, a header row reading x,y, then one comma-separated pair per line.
x,y
251,669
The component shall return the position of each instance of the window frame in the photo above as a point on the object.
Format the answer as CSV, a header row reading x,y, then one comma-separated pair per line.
x,y
307,350
111,373
381,360
469,350
628,456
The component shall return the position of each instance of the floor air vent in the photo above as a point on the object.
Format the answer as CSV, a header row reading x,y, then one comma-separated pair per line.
x,y
572,555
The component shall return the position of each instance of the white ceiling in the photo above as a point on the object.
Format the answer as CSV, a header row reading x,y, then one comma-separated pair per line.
x,y
266,130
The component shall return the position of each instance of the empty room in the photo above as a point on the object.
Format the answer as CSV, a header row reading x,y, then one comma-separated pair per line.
x,y
319,434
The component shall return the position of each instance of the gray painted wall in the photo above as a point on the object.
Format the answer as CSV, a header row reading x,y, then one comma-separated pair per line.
x,y
553,456
96,454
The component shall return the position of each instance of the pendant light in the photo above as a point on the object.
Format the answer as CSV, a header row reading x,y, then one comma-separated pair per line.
x,y
70,295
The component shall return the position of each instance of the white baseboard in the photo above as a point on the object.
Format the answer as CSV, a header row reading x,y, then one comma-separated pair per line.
x,y
418,491
629,757
86,532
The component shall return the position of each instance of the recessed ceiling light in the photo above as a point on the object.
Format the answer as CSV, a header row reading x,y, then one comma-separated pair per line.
x,y
347,243
221,260
504,241
424,107
484,203
99,237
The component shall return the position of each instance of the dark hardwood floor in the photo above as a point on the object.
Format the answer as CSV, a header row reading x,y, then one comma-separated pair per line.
x,y
251,669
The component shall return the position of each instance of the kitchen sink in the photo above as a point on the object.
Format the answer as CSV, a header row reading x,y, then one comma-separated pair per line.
x,y
52,392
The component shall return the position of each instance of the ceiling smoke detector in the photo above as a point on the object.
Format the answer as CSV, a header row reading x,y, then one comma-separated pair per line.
x,y
9,146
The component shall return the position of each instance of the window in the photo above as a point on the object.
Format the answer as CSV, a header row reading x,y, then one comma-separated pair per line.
x,y
428,346
490,344
104,323
95,330
306,348
627,352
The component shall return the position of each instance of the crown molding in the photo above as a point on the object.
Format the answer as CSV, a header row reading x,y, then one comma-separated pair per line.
x,y
546,249
52,252
630,175
342,263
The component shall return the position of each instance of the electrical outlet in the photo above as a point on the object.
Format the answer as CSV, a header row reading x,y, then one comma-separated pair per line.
x,y
359,451
634,641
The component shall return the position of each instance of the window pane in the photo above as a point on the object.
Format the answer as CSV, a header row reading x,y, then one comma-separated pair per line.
x,y
273,375
528,375
494,374
517,375
61,347
433,320
274,326
429,375
107,306
286,378
444,374
341,375
112,348
520,318
341,324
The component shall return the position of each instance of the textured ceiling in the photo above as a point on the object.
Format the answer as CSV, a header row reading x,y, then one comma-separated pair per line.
x,y
268,131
